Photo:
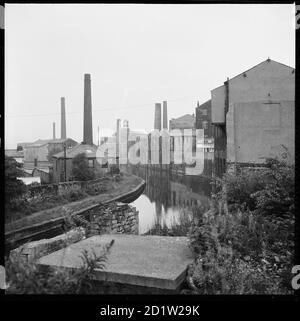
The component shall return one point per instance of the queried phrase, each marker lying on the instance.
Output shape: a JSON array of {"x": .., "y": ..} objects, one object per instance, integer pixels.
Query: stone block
[
  {"x": 149, "y": 261},
  {"x": 36, "y": 249}
]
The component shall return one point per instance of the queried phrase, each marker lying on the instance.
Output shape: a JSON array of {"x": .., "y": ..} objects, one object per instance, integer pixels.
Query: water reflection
[{"x": 167, "y": 195}]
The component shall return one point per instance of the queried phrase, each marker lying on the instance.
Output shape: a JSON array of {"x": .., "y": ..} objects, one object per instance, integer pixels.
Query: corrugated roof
[{"x": 89, "y": 150}]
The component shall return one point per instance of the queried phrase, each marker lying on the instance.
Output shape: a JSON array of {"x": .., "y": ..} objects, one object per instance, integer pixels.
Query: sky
[{"x": 137, "y": 55}]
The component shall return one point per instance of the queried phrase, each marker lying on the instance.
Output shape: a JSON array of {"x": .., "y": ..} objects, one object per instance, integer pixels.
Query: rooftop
[
  {"x": 259, "y": 64},
  {"x": 14, "y": 153},
  {"x": 41, "y": 142},
  {"x": 184, "y": 117},
  {"x": 89, "y": 150},
  {"x": 205, "y": 105}
]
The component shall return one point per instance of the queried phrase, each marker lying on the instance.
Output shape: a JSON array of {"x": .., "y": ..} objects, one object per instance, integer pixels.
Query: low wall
[
  {"x": 108, "y": 218},
  {"x": 103, "y": 218},
  {"x": 113, "y": 218},
  {"x": 46, "y": 191}
]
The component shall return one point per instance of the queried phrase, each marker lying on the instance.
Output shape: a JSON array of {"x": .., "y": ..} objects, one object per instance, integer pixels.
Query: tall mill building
[{"x": 253, "y": 115}]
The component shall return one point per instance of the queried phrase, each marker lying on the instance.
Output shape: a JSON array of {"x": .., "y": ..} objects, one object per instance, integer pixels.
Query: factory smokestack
[
  {"x": 54, "y": 131},
  {"x": 165, "y": 115},
  {"x": 87, "y": 117},
  {"x": 63, "y": 119},
  {"x": 157, "y": 117}
]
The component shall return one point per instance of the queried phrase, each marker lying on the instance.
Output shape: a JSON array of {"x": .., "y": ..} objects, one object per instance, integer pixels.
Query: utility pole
[
  {"x": 118, "y": 143},
  {"x": 65, "y": 165},
  {"x": 98, "y": 137}
]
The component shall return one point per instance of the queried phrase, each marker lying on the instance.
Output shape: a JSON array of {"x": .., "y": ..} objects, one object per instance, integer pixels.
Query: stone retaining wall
[
  {"x": 108, "y": 218},
  {"x": 114, "y": 218}
]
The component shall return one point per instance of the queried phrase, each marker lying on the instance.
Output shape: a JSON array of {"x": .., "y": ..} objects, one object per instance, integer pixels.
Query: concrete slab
[{"x": 148, "y": 261}]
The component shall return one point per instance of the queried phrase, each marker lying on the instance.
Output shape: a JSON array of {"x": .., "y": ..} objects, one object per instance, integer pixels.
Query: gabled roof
[
  {"x": 205, "y": 105},
  {"x": 184, "y": 117},
  {"x": 261, "y": 63},
  {"x": 41, "y": 142},
  {"x": 89, "y": 150}
]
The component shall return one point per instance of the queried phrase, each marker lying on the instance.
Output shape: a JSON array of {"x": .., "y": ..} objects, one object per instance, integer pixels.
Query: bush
[
  {"x": 73, "y": 194},
  {"x": 222, "y": 273},
  {"x": 241, "y": 253},
  {"x": 80, "y": 168},
  {"x": 245, "y": 242},
  {"x": 278, "y": 196},
  {"x": 269, "y": 191},
  {"x": 238, "y": 189}
]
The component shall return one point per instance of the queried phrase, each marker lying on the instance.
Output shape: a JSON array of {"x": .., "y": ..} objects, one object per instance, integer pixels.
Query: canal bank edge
[{"x": 50, "y": 228}]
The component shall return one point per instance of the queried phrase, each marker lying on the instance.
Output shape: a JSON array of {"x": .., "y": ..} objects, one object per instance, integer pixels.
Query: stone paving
[{"x": 147, "y": 261}]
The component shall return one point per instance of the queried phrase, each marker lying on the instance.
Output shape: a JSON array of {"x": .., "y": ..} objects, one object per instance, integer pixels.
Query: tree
[
  {"x": 80, "y": 168},
  {"x": 19, "y": 148},
  {"x": 13, "y": 186}
]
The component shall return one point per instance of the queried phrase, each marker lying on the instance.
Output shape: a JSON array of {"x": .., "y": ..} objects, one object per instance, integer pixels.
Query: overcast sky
[{"x": 137, "y": 55}]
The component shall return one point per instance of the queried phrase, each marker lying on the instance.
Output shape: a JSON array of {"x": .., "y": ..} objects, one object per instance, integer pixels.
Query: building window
[
  {"x": 204, "y": 124},
  {"x": 204, "y": 112},
  {"x": 91, "y": 163}
]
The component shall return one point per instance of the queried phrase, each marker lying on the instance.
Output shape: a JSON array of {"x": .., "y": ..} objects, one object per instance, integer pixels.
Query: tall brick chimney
[
  {"x": 87, "y": 117},
  {"x": 63, "y": 131},
  {"x": 165, "y": 115},
  {"x": 157, "y": 117},
  {"x": 54, "y": 131}
]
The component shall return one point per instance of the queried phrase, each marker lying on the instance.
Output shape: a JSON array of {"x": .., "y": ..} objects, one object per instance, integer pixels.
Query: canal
[{"x": 168, "y": 195}]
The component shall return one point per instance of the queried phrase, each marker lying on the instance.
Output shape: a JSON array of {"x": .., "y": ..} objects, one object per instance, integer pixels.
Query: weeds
[
  {"x": 244, "y": 244},
  {"x": 27, "y": 277}
]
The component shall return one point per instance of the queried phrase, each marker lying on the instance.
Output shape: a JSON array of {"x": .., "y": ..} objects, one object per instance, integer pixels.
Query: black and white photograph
[{"x": 149, "y": 149}]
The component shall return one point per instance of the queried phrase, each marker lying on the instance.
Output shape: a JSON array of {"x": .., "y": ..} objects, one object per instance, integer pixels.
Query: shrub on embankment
[{"x": 244, "y": 244}]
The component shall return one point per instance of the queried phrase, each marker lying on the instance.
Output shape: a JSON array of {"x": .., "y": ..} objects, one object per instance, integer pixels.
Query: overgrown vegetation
[
  {"x": 244, "y": 244},
  {"x": 22, "y": 206},
  {"x": 80, "y": 168},
  {"x": 25, "y": 276}
]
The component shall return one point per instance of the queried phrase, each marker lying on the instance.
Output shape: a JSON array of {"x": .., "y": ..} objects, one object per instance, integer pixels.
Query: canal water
[{"x": 168, "y": 195}]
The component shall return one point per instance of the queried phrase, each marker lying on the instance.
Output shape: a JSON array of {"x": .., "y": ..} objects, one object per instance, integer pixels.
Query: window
[
  {"x": 204, "y": 112},
  {"x": 205, "y": 124},
  {"x": 91, "y": 163}
]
